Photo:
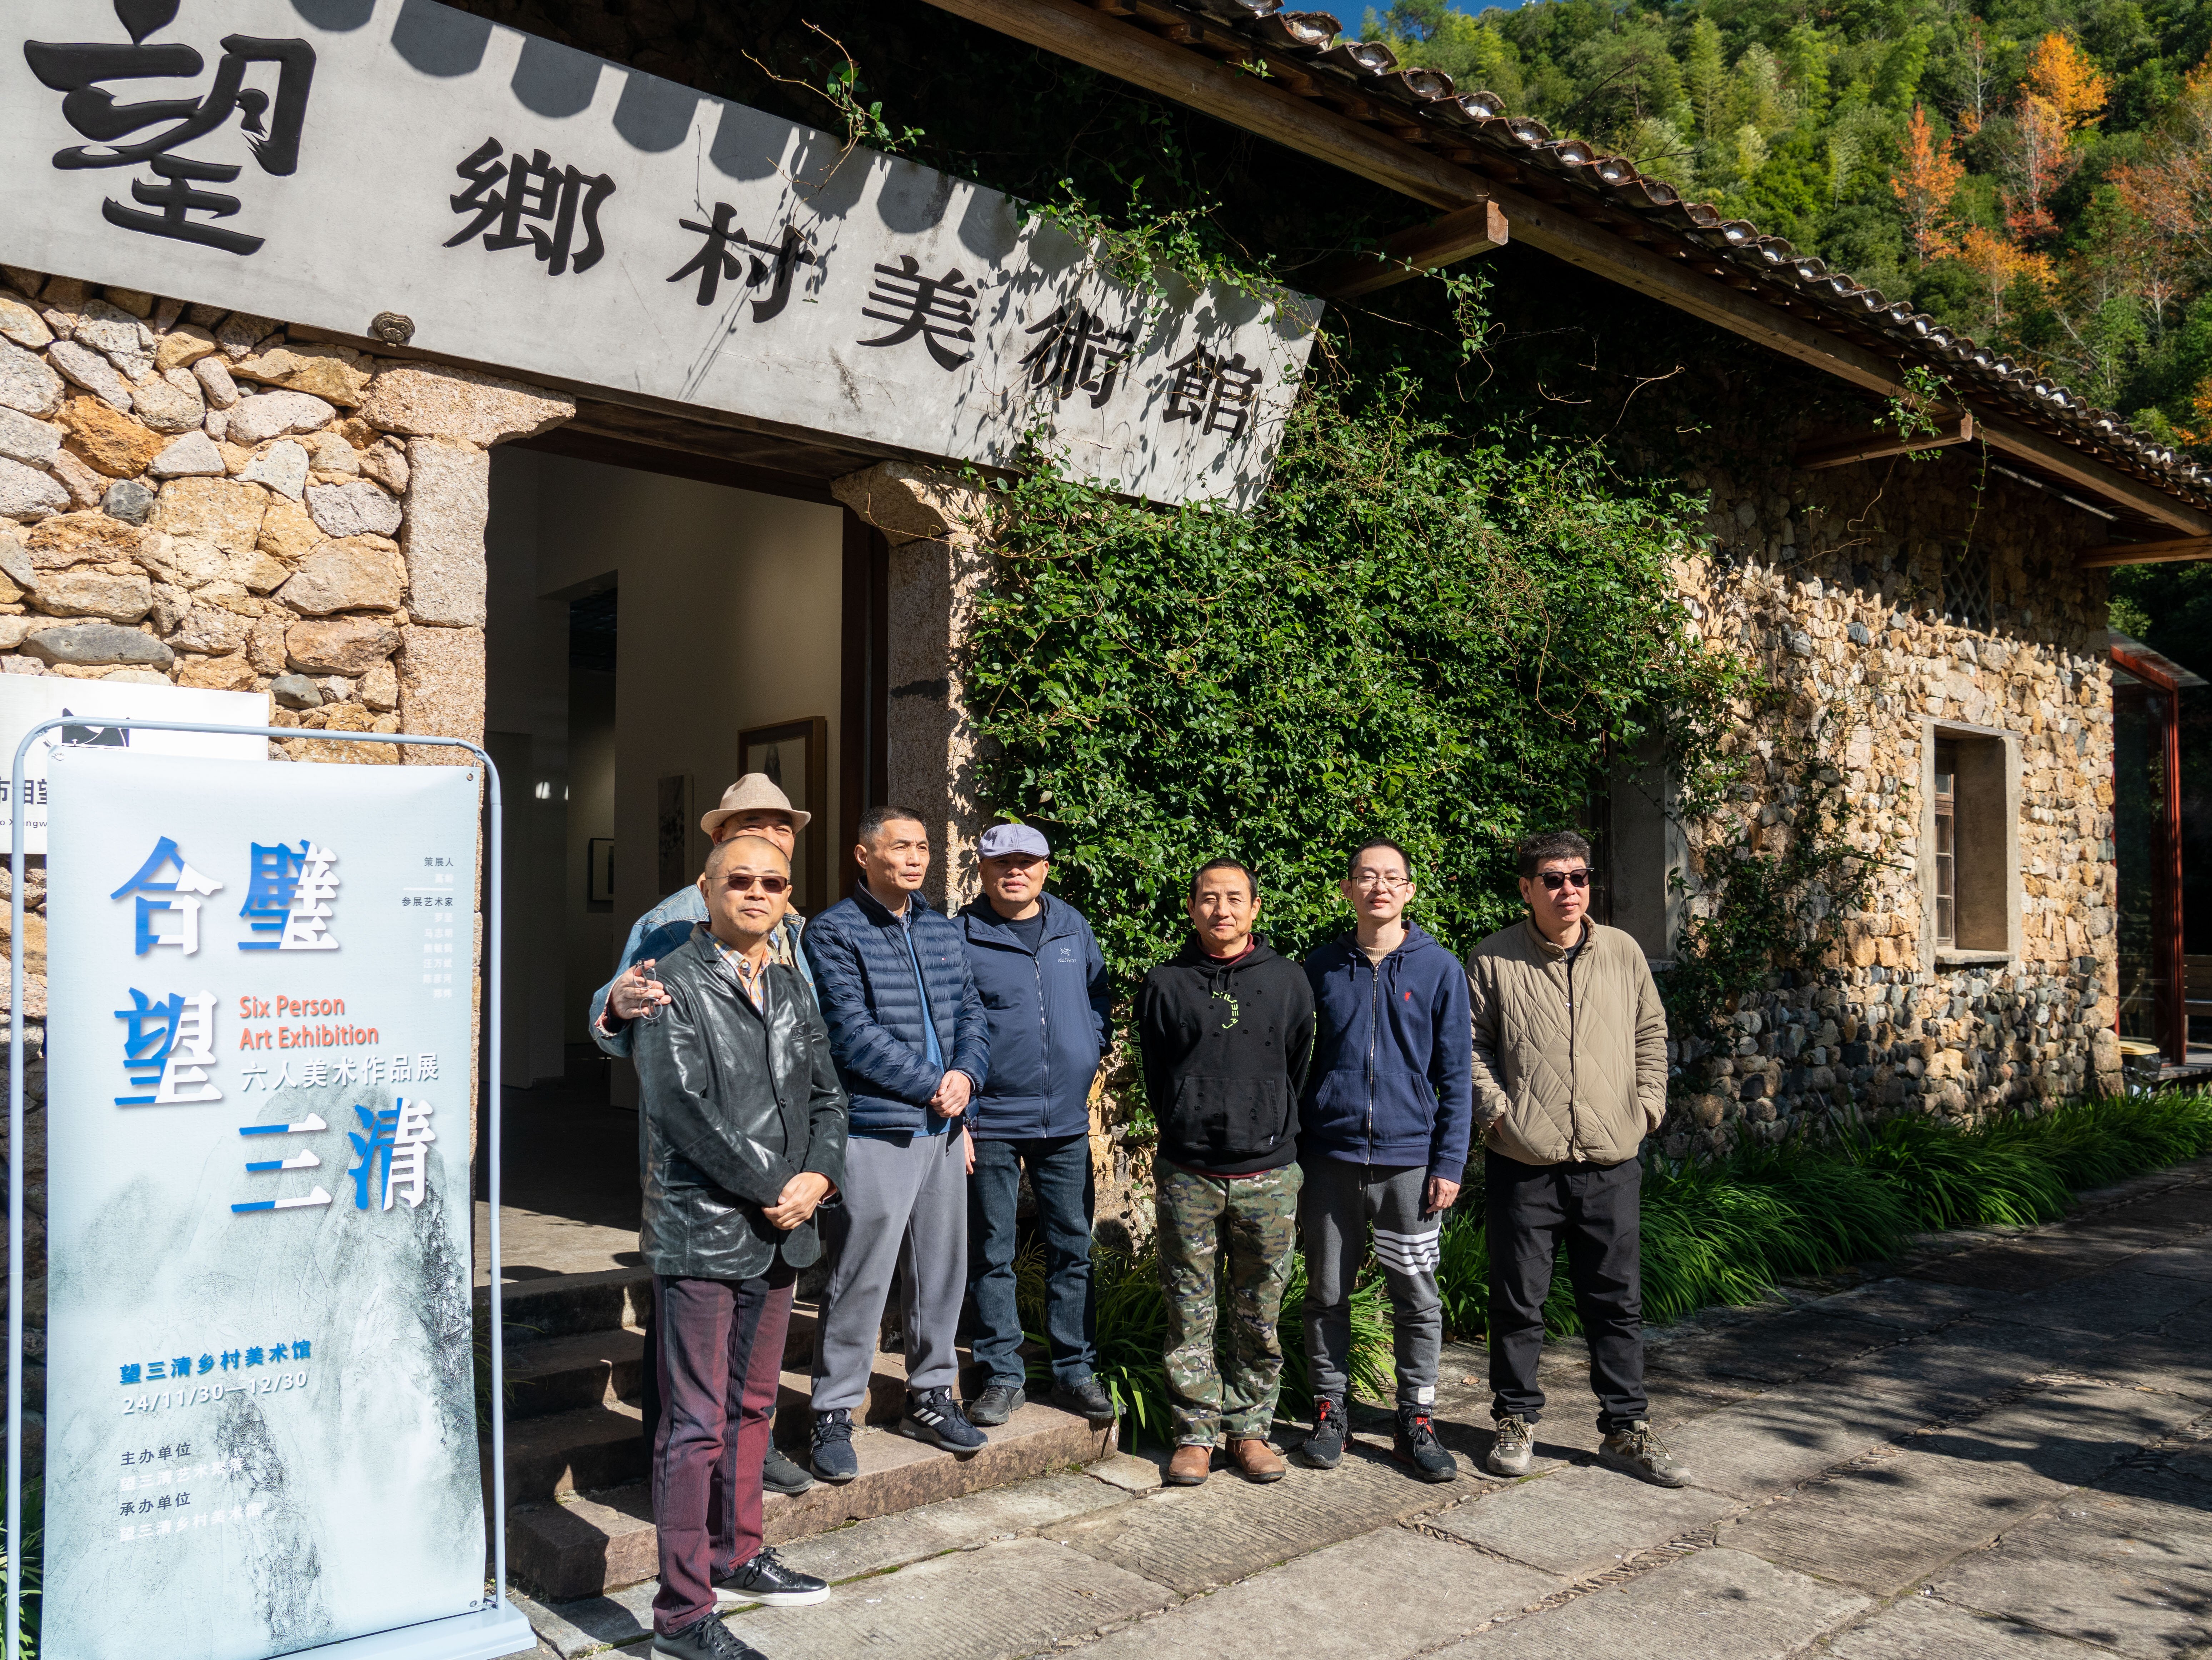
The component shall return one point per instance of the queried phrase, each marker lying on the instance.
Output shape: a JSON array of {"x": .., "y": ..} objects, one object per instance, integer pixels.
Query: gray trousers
[
  {"x": 905, "y": 1212},
  {"x": 1339, "y": 1203}
]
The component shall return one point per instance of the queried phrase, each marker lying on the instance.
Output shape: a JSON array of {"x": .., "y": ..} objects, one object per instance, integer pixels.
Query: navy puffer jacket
[
  {"x": 864, "y": 980},
  {"x": 1050, "y": 1013},
  {"x": 1393, "y": 1077}
]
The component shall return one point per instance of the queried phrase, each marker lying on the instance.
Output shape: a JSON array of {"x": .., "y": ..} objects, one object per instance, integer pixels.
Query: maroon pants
[{"x": 719, "y": 1353}]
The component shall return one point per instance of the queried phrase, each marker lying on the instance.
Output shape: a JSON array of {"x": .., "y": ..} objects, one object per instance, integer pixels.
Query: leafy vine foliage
[{"x": 1422, "y": 632}]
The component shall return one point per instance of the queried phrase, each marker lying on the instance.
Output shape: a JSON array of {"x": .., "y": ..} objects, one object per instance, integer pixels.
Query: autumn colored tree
[
  {"x": 1925, "y": 186},
  {"x": 2063, "y": 93},
  {"x": 2064, "y": 77},
  {"x": 2000, "y": 262},
  {"x": 2170, "y": 190}
]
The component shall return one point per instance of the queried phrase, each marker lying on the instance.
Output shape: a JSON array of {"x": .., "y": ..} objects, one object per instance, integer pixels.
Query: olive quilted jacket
[{"x": 1570, "y": 1057}]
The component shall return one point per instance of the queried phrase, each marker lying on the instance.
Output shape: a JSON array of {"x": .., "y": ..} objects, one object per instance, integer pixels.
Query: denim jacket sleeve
[
  {"x": 618, "y": 1042},
  {"x": 865, "y": 1052}
]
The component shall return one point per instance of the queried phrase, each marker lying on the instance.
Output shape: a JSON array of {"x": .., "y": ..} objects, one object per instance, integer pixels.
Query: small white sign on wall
[{"x": 27, "y": 699}]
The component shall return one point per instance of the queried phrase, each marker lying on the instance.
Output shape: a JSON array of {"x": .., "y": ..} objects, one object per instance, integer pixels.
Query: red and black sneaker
[
  {"x": 1417, "y": 1445},
  {"x": 1325, "y": 1447}
]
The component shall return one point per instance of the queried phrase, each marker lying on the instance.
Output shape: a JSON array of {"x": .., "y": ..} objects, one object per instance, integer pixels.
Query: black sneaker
[
  {"x": 932, "y": 1415},
  {"x": 1417, "y": 1445},
  {"x": 1088, "y": 1399},
  {"x": 833, "y": 1457},
  {"x": 1324, "y": 1448},
  {"x": 780, "y": 1474},
  {"x": 705, "y": 1638},
  {"x": 997, "y": 1403},
  {"x": 764, "y": 1579}
]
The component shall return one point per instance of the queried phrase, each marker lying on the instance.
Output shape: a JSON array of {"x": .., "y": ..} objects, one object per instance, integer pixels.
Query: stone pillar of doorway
[{"x": 940, "y": 531}]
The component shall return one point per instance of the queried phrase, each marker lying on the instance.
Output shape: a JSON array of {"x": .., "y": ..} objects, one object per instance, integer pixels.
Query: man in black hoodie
[{"x": 1226, "y": 1030}]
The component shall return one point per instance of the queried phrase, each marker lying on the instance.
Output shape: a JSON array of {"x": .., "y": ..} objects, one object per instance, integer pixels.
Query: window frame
[{"x": 1985, "y": 870}]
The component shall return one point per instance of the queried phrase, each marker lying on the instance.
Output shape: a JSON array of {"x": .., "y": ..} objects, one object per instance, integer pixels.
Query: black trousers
[{"x": 1594, "y": 1208}]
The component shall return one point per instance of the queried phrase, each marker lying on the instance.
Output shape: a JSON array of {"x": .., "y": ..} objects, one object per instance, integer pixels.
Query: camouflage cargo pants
[{"x": 1253, "y": 1221}]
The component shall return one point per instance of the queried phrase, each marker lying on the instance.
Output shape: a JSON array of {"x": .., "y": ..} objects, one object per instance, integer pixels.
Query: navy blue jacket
[
  {"x": 864, "y": 980},
  {"x": 1393, "y": 1077},
  {"x": 1050, "y": 1015}
]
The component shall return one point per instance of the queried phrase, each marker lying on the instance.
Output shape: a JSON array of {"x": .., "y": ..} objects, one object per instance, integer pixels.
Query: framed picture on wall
[
  {"x": 599, "y": 871},
  {"x": 673, "y": 865},
  {"x": 795, "y": 756}
]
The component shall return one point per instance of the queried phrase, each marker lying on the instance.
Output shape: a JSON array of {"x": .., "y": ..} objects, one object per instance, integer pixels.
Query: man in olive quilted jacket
[{"x": 1570, "y": 1076}]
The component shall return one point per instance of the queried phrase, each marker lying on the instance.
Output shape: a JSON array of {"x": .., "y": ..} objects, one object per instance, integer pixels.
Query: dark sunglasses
[
  {"x": 771, "y": 885},
  {"x": 1555, "y": 879}
]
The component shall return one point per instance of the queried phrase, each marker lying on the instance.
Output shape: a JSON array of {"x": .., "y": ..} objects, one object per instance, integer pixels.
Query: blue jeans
[{"x": 1060, "y": 1176}]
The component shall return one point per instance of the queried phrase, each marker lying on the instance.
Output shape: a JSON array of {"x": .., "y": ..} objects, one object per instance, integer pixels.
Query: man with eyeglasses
[
  {"x": 1570, "y": 1077},
  {"x": 742, "y": 1130},
  {"x": 1382, "y": 1138}
]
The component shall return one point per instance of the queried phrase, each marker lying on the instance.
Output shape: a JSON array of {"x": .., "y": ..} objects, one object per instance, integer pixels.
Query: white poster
[
  {"x": 496, "y": 197},
  {"x": 261, "y": 1429},
  {"x": 27, "y": 699}
]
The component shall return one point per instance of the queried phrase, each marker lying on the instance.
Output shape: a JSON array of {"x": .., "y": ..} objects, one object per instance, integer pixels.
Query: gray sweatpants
[
  {"x": 905, "y": 1212},
  {"x": 1339, "y": 1201}
]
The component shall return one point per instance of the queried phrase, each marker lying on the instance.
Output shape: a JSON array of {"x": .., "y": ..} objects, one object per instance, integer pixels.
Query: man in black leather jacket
[{"x": 742, "y": 1130}]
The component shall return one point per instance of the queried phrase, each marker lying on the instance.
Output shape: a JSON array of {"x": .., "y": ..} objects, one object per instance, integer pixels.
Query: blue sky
[{"x": 1351, "y": 15}]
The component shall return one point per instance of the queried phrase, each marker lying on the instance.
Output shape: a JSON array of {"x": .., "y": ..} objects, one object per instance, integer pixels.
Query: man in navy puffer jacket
[
  {"x": 1384, "y": 1125},
  {"x": 908, "y": 1032},
  {"x": 1046, "y": 993}
]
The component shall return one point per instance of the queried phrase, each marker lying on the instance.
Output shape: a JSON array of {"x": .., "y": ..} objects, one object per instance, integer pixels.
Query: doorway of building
[{"x": 649, "y": 637}]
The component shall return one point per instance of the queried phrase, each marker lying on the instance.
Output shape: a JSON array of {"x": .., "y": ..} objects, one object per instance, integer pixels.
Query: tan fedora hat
[{"x": 753, "y": 793}]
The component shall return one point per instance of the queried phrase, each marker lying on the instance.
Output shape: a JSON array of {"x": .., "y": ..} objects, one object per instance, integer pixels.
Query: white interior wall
[{"x": 730, "y": 613}]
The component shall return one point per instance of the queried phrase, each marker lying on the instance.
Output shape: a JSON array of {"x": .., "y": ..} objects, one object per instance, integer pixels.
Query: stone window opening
[
  {"x": 1971, "y": 871},
  {"x": 1966, "y": 597}
]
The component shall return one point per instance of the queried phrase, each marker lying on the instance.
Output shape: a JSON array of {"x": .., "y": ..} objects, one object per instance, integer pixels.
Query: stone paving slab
[
  {"x": 623, "y": 1616},
  {"x": 993, "y": 1603},
  {"x": 1781, "y": 1350},
  {"x": 1712, "y": 1604},
  {"x": 2107, "y": 1305},
  {"x": 1956, "y": 1370},
  {"x": 2068, "y": 1433},
  {"x": 2128, "y": 1574},
  {"x": 2022, "y": 1265},
  {"x": 1388, "y": 1593},
  {"x": 1583, "y": 1522},
  {"x": 1922, "y": 1629},
  {"x": 2190, "y": 1259},
  {"x": 2176, "y": 1359},
  {"x": 1888, "y": 1525},
  {"x": 1787, "y": 1435},
  {"x": 1195, "y": 1538},
  {"x": 1915, "y": 1304}
]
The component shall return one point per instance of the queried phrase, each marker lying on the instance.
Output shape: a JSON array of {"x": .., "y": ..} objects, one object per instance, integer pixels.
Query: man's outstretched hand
[{"x": 635, "y": 995}]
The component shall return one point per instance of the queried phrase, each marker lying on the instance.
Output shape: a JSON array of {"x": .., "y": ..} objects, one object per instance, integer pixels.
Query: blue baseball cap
[{"x": 1003, "y": 838}]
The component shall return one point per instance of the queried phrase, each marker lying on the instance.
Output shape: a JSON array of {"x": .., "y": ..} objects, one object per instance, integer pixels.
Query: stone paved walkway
[{"x": 2001, "y": 1452}]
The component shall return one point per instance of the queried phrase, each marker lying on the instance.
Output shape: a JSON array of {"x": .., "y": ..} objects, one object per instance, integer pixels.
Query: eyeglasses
[
  {"x": 1555, "y": 879},
  {"x": 773, "y": 887},
  {"x": 1377, "y": 879}
]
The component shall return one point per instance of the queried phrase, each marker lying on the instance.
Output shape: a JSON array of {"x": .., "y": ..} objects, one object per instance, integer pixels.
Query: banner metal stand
[{"x": 495, "y": 1630}]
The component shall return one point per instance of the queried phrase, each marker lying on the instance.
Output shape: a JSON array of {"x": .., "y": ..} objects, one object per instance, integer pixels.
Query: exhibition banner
[{"x": 261, "y": 1431}]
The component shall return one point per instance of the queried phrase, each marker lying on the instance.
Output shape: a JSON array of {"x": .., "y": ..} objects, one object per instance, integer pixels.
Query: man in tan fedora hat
[{"x": 752, "y": 807}]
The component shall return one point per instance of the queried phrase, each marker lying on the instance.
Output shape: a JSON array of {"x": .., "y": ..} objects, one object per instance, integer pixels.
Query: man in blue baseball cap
[{"x": 1044, "y": 989}]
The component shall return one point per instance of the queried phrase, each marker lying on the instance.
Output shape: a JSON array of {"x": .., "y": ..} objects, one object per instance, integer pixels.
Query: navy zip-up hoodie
[
  {"x": 1393, "y": 1080},
  {"x": 864, "y": 981},
  {"x": 1050, "y": 1015}
]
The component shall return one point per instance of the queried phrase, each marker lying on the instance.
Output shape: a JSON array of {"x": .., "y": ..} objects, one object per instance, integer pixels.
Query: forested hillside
[{"x": 2038, "y": 174}]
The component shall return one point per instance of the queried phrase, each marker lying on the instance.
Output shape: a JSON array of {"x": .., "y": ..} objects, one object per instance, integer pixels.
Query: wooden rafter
[
  {"x": 2145, "y": 553},
  {"x": 1446, "y": 241},
  {"x": 1958, "y": 428}
]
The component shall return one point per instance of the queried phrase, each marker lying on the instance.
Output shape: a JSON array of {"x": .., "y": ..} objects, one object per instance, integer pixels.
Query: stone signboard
[{"x": 400, "y": 170}]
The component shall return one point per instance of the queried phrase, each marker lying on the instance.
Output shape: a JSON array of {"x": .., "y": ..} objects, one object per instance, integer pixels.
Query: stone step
[
  {"x": 565, "y": 1304},
  {"x": 585, "y": 1545},
  {"x": 583, "y": 1450},
  {"x": 560, "y": 1374}
]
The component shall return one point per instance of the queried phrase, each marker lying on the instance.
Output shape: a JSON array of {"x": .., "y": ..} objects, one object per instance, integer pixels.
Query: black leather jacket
[{"x": 733, "y": 1106}]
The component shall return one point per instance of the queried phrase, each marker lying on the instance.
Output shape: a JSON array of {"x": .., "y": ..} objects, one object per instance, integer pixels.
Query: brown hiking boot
[
  {"x": 1190, "y": 1466},
  {"x": 1256, "y": 1461}
]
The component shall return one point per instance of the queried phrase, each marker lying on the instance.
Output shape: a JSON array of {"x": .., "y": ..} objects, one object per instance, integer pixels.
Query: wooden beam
[
  {"x": 1958, "y": 429},
  {"x": 2145, "y": 553},
  {"x": 1447, "y": 240},
  {"x": 1121, "y": 49}
]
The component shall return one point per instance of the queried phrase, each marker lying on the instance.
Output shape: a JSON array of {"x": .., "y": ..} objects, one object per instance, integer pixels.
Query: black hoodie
[{"x": 1225, "y": 1048}]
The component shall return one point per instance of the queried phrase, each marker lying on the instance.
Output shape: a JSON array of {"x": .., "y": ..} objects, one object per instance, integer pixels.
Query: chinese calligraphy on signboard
[{"x": 727, "y": 259}]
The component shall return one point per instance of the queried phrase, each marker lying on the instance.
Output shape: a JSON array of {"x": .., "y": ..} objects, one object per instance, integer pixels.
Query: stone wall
[
  {"x": 204, "y": 498},
  {"x": 1831, "y": 583}
]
